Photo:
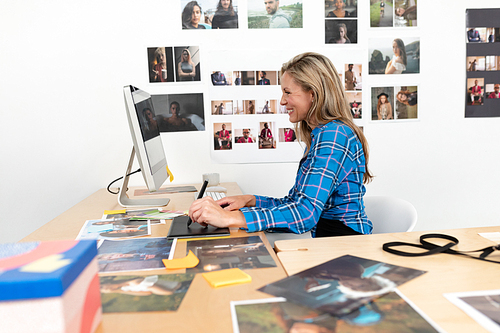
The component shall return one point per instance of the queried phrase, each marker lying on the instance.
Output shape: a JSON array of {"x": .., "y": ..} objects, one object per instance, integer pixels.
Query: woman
[
  {"x": 151, "y": 128},
  {"x": 398, "y": 62},
  {"x": 341, "y": 35},
  {"x": 186, "y": 67},
  {"x": 191, "y": 16},
  {"x": 327, "y": 197},
  {"x": 406, "y": 97},
  {"x": 384, "y": 108},
  {"x": 160, "y": 67},
  {"x": 340, "y": 11},
  {"x": 225, "y": 17}
]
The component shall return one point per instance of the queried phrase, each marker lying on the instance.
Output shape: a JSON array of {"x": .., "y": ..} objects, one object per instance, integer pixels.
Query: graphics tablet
[{"x": 179, "y": 229}]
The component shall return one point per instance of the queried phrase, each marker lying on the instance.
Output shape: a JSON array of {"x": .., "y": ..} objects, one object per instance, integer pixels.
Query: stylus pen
[{"x": 200, "y": 195}]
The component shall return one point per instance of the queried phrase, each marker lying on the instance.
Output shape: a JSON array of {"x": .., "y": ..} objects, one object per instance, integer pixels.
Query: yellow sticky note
[
  {"x": 188, "y": 261},
  {"x": 227, "y": 277},
  {"x": 111, "y": 212},
  {"x": 170, "y": 174}
]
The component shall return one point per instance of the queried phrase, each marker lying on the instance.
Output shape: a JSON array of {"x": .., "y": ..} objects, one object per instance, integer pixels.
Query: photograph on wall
[
  {"x": 179, "y": 112},
  {"x": 405, "y": 13},
  {"x": 352, "y": 74},
  {"x": 341, "y": 31},
  {"x": 245, "y": 135},
  {"x": 394, "y": 55},
  {"x": 274, "y": 14},
  {"x": 267, "y": 78},
  {"x": 237, "y": 78},
  {"x": 248, "y": 78},
  {"x": 266, "y": 136},
  {"x": 221, "y": 78},
  {"x": 187, "y": 62},
  {"x": 242, "y": 252},
  {"x": 249, "y": 106},
  {"x": 406, "y": 102},
  {"x": 136, "y": 293},
  {"x": 266, "y": 106},
  {"x": 287, "y": 135},
  {"x": 341, "y": 8},
  {"x": 382, "y": 103},
  {"x": 355, "y": 103},
  {"x": 222, "y": 136},
  {"x": 482, "y": 306},
  {"x": 161, "y": 64},
  {"x": 341, "y": 285},
  {"x": 209, "y": 14},
  {"x": 482, "y": 35},
  {"x": 238, "y": 107},
  {"x": 134, "y": 254},
  {"x": 222, "y": 107},
  {"x": 390, "y": 313},
  {"x": 381, "y": 13}
]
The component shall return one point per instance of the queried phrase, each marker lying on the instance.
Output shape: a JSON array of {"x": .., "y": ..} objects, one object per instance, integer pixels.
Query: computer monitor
[{"x": 147, "y": 147}]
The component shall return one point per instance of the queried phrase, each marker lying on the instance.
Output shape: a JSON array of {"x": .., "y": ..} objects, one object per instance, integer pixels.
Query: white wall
[{"x": 63, "y": 131}]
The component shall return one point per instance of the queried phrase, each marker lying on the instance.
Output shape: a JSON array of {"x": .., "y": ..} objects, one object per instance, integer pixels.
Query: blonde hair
[{"x": 315, "y": 73}]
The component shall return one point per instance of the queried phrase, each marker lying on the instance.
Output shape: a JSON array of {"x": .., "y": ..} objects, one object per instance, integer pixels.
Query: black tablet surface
[{"x": 179, "y": 229}]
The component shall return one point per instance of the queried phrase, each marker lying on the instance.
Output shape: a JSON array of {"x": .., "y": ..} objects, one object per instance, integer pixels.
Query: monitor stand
[{"x": 125, "y": 201}]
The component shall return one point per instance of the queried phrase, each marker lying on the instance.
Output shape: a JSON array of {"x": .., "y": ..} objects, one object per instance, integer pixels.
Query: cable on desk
[{"x": 117, "y": 179}]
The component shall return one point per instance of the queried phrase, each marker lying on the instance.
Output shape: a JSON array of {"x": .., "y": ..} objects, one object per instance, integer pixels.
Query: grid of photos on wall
[
  {"x": 341, "y": 21},
  {"x": 483, "y": 63},
  {"x": 392, "y": 52}
]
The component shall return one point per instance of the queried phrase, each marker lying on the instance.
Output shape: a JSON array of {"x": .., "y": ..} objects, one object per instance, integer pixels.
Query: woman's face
[
  {"x": 149, "y": 115},
  {"x": 161, "y": 58},
  {"x": 297, "y": 101},
  {"x": 395, "y": 49},
  {"x": 195, "y": 16},
  {"x": 402, "y": 97},
  {"x": 383, "y": 99},
  {"x": 342, "y": 32},
  {"x": 225, "y": 4},
  {"x": 185, "y": 56},
  {"x": 339, "y": 4}
]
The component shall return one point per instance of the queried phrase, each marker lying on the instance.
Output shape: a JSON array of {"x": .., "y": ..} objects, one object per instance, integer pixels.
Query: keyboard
[{"x": 213, "y": 195}]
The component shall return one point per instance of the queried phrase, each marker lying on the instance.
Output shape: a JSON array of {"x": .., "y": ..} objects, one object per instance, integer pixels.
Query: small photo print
[
  {"x": 248, "y": 78},
  {"x": 355, "y": 103},
  {"x": 237, "y": 78},
  {"x": 341, "y": 8},
  {"x": 381, "y": 13},
  {"x": 406, "y": 102},
  {"x": 221, "y": 78},
  {"x": 161, "y": 64},
  {"x": 405, "y": 13},
  {"x": 249, "y": 106},
  {"x": 267, "y": 78},
  {"x": 287, "y": 135},
  {"x": 266, "y": 136},
  {"x": 477, "y": 35},
  {"x": 238, "y": 107},
  {"x": 475, "y": 89},
  {"x": 394, "y": 55},
  {"x": 267, "y": 106},
  {"x": 135, "y": 293},
  {"x": 274, "y": 14},
  {"x": 493, "y": 90},
  {"x": 491, "y": 63},
  {"x": 209, "y": 14},
  {"x": 341, "y": 31},
  {"x": 114, "y": 229},
  {"x": 178, "y": 112},
  {"x": 382, "y": 103},
  {"x": 222, "y": 107},
  {"x": 352, "y": 73},
  {"x": 245, "y": 135},
  {"x": 187, "y": 62},
  {"x": 222, "y": 136},
  {"x": 476, "y": 63}
]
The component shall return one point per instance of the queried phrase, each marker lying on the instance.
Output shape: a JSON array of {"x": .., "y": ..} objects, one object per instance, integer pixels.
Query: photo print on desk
[
  {"x": 390, "y": 313},
  {"x": 209, "y": 14},
  {"x": 482, "y": 63},
  {"x": 242, "y": 252},
  {"x": 394, "y": 55},
  {"x": 161, "y": 64},
  {"x": 137, "y": 293},
  {"x": 134, "y": 254},
  {"x": 179, "y": 112},
  {"x": 274, "y": 14},
  {"x": 341, "y": 285},
  {"x": 114, "y": 229}
]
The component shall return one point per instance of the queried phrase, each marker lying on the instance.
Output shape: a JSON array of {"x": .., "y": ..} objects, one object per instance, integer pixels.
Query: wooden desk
[
  {"x": 203, "y": 309},
  {"x": 445, "y": 273}
]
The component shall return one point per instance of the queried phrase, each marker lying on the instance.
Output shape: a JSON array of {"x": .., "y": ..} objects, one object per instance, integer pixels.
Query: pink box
[{"x": 49, "y": 287}]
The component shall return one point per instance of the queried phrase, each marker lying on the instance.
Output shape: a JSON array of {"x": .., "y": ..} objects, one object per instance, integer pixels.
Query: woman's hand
[{"x": 206, "y": 211}]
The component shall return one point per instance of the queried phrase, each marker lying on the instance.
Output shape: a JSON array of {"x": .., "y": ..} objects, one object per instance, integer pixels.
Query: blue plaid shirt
[{"x": 329, "y": 184}]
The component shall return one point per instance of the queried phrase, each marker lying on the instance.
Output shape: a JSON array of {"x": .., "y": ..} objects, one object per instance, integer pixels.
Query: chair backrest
[{"x": 390, "y": 214}]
